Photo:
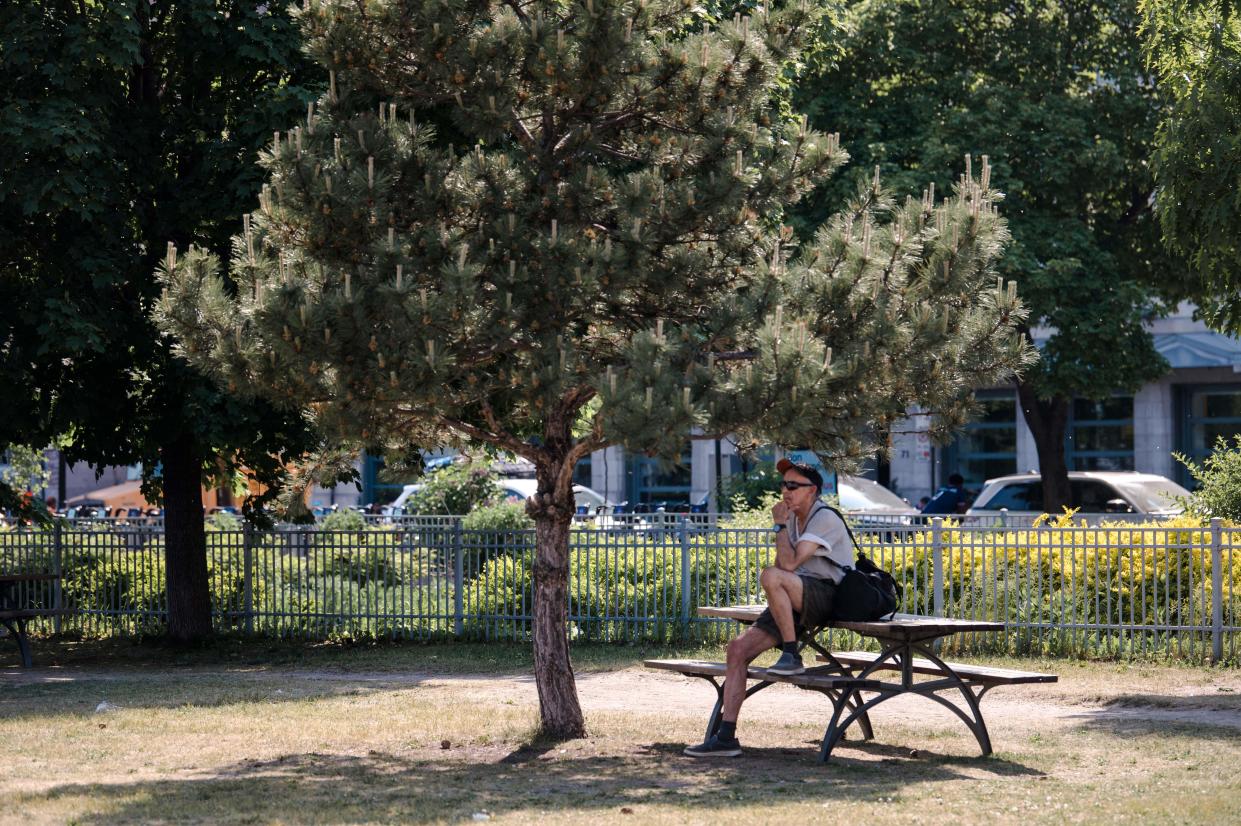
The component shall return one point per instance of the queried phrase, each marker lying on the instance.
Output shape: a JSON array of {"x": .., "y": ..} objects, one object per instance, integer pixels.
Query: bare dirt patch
[{"x": 1204, "y": 696}]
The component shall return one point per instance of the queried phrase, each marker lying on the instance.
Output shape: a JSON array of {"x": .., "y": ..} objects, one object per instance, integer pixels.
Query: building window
[
  {"x": 988, "y": 446},
  {"x": 660, "y": 483},
  {"x": 375, "y": 487},
  {"x": 582, "y": 472},
  {"x": 1099, "y": 434},
  {"x": 1208, "y": 413}
]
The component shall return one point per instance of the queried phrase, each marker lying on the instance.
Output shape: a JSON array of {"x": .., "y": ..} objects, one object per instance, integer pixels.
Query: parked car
[
  {"x": 1091, "y": 492},
  {"x": 90, "y": 510},
  {"x": 860, "y": 494},
  {"x": 870, "y": 506}
]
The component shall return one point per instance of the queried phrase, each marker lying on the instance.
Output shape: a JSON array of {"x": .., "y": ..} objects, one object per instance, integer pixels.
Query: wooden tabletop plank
[{"x": 902, "y": 624}]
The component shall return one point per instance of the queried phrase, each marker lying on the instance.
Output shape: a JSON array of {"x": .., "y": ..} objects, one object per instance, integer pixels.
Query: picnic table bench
[
  {"x": 16, "y": 612},
  {"x": 906, "y": 643}
]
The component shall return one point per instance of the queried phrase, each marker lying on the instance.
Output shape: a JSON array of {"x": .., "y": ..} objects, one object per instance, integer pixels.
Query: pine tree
[{"x": 507, "y": 223}]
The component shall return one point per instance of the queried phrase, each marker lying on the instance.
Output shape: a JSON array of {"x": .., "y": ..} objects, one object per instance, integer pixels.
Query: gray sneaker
[
  {"x": 787, "y": 665},
  {"x": 715, "y": 747}
]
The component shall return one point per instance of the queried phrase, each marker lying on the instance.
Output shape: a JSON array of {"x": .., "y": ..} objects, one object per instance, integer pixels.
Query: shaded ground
[{"x": 385, "y": 736}]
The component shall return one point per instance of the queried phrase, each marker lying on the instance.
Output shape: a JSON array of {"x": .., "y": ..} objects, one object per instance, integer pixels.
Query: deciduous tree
[
  {"x": 1194, "y": 46},
  {"x": 122, "y": 125},
  {"x": 1057, "y": 95}
]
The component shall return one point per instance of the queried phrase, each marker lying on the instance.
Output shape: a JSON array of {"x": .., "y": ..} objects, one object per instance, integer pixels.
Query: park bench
[
  {"x": 984, "y": 676},
  {"x": 907, "y": 645},
  {"x": 840, "y": 689},
  {"x": 16, "y": 609}
]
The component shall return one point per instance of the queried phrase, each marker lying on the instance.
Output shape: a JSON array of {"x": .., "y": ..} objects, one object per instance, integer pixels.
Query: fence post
[
  {"x": 58, "y": 572},
  {"x": 458, "y": 580},
  {"x": 685, "y": 606},
  {"x": 1217, "y": 590},
  {"x": 247, "y": 575},
  {"x": 937, "y": 566}
]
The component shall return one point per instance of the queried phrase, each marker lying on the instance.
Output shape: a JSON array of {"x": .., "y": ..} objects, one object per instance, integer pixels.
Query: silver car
[{"x": 1109, "y": 492}]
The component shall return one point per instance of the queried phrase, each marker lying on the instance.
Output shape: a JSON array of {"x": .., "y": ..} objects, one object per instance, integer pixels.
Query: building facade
[{"x": 1185, "y": 411}]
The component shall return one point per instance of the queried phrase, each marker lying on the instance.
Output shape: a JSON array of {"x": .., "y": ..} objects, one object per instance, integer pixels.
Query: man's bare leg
[
  {"x": 784, "y": 596},
  {"x": 743, "y": 649},
  {"x": 740, "y": 653}
]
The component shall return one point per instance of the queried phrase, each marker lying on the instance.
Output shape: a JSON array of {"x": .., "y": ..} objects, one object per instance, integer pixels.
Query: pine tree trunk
[
  {"x": 1047, "y": 419},
  {"x": 560, "y": 712},
  {"x": 185, "y": 543}
]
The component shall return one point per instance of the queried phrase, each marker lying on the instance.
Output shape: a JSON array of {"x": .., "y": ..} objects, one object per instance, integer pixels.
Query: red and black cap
[{"x": 810, "y": 472}]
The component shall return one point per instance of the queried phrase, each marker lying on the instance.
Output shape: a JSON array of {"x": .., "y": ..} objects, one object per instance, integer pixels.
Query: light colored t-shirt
[{"x": 827, "y": 530}]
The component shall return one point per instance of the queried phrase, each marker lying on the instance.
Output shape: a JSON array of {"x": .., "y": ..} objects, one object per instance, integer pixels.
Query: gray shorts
[{"x": 817, "y": 596}]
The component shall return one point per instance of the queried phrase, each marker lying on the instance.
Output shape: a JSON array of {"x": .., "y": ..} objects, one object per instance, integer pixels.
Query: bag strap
[
  {"x": 843, "y": 521},
  {"x": 856, "y": 550},
  {"x": 821, "y": 505}
]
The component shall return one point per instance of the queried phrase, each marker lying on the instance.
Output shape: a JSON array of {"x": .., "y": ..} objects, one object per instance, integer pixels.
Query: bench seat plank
[
  {"x": 970, "y": 673},
  {"x": 901, "y": 626},
  {"x": 703, "y": 668}
]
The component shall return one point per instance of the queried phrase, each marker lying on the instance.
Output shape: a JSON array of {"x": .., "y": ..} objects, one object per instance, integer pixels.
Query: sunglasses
[{"x": 787, "y": 485}]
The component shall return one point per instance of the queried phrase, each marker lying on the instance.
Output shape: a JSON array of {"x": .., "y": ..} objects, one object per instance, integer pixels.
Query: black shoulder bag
[{"x": 867, "y": 592}]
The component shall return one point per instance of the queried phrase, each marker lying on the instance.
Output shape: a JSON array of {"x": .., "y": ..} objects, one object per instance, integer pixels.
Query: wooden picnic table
[
  {"x": 906, "y": 646},
  {"x": 15, "y": 611}
]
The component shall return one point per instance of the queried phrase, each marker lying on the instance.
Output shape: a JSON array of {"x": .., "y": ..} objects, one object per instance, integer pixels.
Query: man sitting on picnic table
[{"x": 799, "y": 587}]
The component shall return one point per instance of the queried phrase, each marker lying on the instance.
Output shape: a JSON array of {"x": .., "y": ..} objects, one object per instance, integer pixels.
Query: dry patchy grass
[{"x": 357, "y": 737}]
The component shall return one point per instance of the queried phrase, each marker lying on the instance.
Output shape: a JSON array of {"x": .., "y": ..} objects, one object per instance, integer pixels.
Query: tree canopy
[
  {"x": 1057, "y": 95},
  {"x": 1194, "y": 46},
  {"x": 124, "y": 125},
  {"x": 552, "y": 227}
]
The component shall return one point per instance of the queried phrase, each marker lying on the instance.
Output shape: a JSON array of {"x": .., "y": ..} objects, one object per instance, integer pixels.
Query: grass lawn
[{"x": 255, "y": 732}]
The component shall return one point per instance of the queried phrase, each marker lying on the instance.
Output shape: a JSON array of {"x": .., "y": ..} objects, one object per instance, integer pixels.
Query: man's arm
[{"x": 789, "y": 558}]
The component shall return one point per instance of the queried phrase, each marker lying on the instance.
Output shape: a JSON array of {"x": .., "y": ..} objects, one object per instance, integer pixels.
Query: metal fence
[{"x": 1126, "y": 591}]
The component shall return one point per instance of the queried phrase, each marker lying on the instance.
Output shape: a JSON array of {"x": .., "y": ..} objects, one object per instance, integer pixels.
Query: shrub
[
  {"x": 495, "y": 530},
  {"x": 455, "y": 490},
  {"x": 346, "y": 520},
  {"x": 364, "y": 566},
  {"x": 751, "y": 490},
  {"x": 503, "y": 518},
  {"x": 753, "y": 514},
  {"x": 1219, "y": 482},
  {"x": 622, "y": 588},
  {"x": 222, "y": 522}
]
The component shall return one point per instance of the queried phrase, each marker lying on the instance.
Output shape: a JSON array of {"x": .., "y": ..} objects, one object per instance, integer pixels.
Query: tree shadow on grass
[
  {"x": 382, "y": 787},
  {"x": 1200, "y": 723},
  {"x": 1218, "y": 701},
  {"x": 167, "y": 691}
]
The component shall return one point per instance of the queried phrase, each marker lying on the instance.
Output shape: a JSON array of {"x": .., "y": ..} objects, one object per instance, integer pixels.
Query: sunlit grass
[{"x": 243, "y": 732}]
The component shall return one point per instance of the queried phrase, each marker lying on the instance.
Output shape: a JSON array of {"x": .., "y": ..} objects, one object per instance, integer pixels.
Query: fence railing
[{"x": 1130, "y": 590}]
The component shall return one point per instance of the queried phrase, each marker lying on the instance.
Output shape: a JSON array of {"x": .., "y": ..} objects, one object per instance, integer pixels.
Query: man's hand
[{"x": 780, "y": 513}]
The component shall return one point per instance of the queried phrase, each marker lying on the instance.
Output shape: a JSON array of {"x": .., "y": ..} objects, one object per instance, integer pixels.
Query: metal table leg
[{"x": 902, "y": 652}]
